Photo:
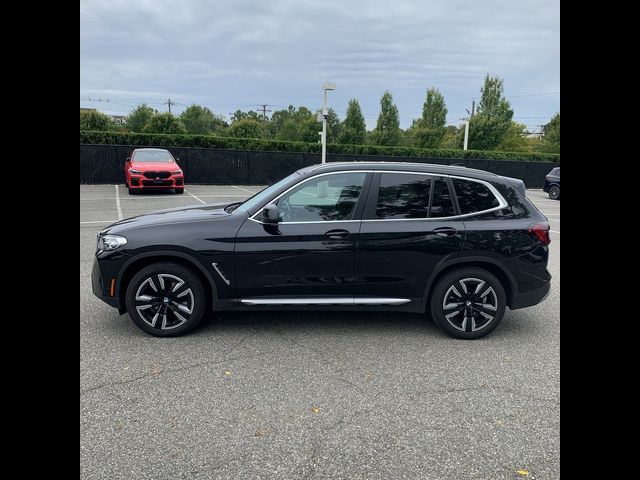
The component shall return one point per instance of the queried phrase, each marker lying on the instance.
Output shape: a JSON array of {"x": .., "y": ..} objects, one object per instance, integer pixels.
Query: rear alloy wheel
[
  {"x": 554, "y": 192},
  {"x": 165, "y": 299},
  {"x": 468, "y": 303}
]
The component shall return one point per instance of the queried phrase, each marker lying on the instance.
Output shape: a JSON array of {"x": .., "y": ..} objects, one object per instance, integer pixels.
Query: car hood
[
  {"x": 189, "y": 213},
  {"x": 154, "y": 166}
]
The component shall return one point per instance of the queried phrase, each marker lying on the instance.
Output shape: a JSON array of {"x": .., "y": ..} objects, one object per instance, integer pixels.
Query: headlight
[
  {"x": 111, "y": 242},
  {"x": 177, "y": 172},
  {"x": 131, "y": 170}
]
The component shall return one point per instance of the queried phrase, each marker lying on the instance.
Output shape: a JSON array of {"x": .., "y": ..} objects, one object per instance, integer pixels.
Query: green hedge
[{"x": 212, "y": 141}]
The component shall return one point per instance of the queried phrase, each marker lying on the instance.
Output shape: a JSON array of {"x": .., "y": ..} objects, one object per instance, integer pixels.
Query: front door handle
[
  {"x": 445, "y": 231},
  {"x": 337, "y": 234}
]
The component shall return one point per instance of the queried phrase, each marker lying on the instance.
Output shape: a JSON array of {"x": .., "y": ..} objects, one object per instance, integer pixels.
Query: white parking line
[
  {"x": 244, "y": 189},
  {"x": 553, "y": 231},
  {"x": 201, "y": 201},
  {"x": 118, "y": 203}
]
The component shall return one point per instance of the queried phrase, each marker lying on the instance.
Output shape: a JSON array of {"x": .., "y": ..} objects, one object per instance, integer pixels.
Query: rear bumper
[
  {"x": 101, "y": 285},
  {"x": 531, "y": 297}
]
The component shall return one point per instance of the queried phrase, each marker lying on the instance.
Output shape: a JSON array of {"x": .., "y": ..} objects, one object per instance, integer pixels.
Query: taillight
[
  {"x": 541, "y": 231},
  {"x": 546, "y": 177}
]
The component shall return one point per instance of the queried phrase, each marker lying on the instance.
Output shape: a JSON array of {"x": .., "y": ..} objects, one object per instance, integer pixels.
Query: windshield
[
  {"x": 259, "y": 198},
  {"x": 152, "y": 156}
]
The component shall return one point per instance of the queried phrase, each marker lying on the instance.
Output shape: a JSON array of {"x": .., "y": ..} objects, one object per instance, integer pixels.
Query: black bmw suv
[{"x": 458, "y": 243}]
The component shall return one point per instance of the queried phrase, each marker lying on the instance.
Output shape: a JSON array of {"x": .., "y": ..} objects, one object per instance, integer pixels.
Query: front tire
[
  {"x": 179, "y": 190},
  {"x": 468, "y": 303},
  {"x": 554, "y": 192},
  {"x": 166, "y": 299}
]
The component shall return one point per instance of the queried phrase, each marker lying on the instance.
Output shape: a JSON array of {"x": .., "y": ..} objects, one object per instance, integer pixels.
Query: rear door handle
[
  {"x": 337, "y": 234},
  {"x": 445, "y": 231}
]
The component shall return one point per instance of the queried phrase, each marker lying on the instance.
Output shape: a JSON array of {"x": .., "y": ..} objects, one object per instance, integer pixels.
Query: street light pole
[{"x": 325, "y": 86}]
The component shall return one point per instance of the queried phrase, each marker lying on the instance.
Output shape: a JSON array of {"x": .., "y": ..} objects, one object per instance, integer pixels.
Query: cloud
[{"x": 279, "y": 52}]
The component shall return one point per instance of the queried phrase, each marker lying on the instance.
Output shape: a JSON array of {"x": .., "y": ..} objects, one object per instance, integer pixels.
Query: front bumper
[
  {"x": 138, "y": 182},
  {"x": 101, "y": 286}
]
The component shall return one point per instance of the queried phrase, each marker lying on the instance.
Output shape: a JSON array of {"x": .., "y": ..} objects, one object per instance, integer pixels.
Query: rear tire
[
  {"x": 131, "y": 191},
  {"x": 166, "y": 299},
  {"x": 179, "y": 190},
  {"x": 468, "y": 303},
  {"x": 554, "y": 192}
]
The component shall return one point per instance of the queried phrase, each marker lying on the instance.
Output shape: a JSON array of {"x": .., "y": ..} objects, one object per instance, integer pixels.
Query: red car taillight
[{"x": 541, "y": 231}]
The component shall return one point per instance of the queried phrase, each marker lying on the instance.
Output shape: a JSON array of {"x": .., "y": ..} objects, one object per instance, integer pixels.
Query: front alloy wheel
[
  {"x": 165, "y": 299},
  {"x": 468, "y": 303},
  {"x": 554, "y": 192}
]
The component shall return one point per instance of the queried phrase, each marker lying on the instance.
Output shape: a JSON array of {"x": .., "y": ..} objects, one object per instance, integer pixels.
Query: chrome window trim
[{"x": 502, "y": 202}]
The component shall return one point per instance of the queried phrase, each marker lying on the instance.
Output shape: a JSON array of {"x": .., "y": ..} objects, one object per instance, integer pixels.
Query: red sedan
[{"x": 150, "y": 168}]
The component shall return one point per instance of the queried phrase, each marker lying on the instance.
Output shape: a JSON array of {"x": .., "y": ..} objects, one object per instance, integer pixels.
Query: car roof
[
  {"x": 156, "y": 149},
  {"x": 402, "y": 166}
]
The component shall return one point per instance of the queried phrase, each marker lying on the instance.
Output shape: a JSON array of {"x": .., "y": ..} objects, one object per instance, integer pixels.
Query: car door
[
  {"x": 410, "y": 226},
  {"x": 309, "y": 255}
]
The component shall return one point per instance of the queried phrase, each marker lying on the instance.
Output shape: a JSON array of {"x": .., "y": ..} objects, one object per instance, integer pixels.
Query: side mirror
[
  {"x": 270, "y": 214},
  {"x": 177, "y": 160},
  {"x": 128, "y": 159}
]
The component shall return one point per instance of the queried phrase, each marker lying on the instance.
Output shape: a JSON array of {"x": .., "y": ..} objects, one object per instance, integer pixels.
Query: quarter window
[
  {"x": 325, "y": 198},
  {"x": 474, "y": 196},
  {"x": 403, "y": 195}
]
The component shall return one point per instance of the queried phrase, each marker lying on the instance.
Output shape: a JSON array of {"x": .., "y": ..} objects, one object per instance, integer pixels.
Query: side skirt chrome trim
[
  {"x": 225, "y": 279},
  {"x": 324, "y": 301}
]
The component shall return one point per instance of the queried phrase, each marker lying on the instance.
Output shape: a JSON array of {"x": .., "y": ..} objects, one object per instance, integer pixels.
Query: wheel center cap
[
  {"x": 468, "y": 303},
  {"x": 165, "y": 300}
]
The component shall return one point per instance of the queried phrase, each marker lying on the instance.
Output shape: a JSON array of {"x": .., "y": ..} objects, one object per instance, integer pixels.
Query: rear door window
[
  {"x": 473, "y": 196},
  {"x": 403, "y": 195}
]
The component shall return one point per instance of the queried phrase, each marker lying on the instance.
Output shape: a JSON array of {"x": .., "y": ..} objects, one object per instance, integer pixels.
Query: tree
[
  {"x": 246, "y": 128},
  {"x": 428, "y": 131},
  {"x": 201, "y": 120},
  {"x": 164, "y": 123},
  {"x": 93, "y": 120},
  {"x": 551, "y": 140},
  {"x": 515, "y": 139},
  {"x": 139, "y": 117},
  {"x": 333, "y": 126},
  {"x": 387, "y": 131},
  {"x": 451, "y": 139},
  {"x": 489, "y": 126},
  {"x": 240, "y": 115},
  {"x": 353, "y": 129},
  {"x": 294, "y": 125}
]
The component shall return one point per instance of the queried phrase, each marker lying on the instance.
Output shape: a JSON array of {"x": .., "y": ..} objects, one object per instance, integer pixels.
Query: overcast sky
[{"x": 230, "y": 55}]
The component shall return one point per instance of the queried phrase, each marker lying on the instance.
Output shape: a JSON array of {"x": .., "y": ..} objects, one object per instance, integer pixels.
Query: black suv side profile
[
  {"x": 552, "y": 184},
  {"x": 460, "y": 244}
]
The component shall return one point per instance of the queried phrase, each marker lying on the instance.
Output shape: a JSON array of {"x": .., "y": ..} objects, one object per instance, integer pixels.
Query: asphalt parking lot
[{"x": 288, "y": 395}]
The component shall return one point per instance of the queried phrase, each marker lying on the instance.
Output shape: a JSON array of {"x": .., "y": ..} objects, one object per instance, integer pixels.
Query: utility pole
[
  {"x": 263, "y": 107},
  {"x": 466, "y": 134},
  {"x": 169, "y": 102},
  {"x": 466, "y": 123}
]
